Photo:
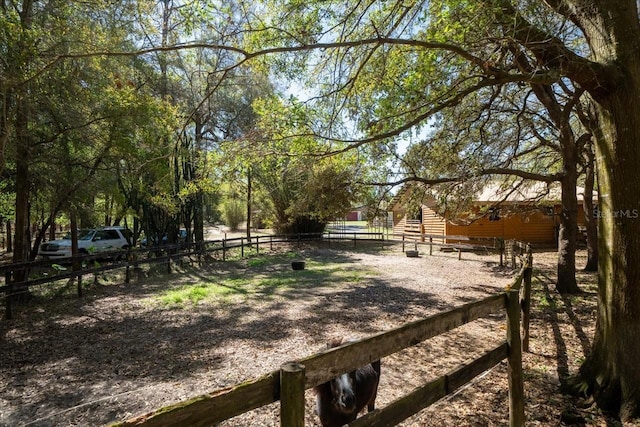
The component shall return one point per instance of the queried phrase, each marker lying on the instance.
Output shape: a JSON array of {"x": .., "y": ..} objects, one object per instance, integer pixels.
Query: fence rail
[
  {"x": 92, "y": 264},
  {"x": 507, "y": 249},
  {"x": 288, "y": 383},
  {"x": 125, "y": 259}
]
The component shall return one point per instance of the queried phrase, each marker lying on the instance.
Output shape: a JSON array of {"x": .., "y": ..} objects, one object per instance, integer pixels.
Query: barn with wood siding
[{"x": 522, "y": 214}]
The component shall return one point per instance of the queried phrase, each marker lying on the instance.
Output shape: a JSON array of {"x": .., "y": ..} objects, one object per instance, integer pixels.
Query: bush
[
  {"x": 234, "y": 214},
  {"x": 304, "y": 225}
]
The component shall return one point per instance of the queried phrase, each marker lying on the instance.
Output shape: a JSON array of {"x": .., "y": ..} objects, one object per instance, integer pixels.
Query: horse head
[
  {"x": 339, "y": 400},
  {"x": 343, "y": 393}
]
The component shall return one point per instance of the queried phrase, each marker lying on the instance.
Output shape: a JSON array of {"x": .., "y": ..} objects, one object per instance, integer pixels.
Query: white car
[{"x": 89, "y": 241}]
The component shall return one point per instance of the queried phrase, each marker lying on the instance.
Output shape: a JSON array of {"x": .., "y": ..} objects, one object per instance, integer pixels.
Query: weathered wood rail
[
  {"x": 507, "y": 249},
  {"x": 288, "y": 383},
  {"x": 522, "y": 283},
  {"x": 453, "y": 242}
]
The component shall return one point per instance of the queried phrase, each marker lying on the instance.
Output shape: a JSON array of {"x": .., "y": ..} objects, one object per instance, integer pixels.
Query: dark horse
[{"x": 340, "y": 400}]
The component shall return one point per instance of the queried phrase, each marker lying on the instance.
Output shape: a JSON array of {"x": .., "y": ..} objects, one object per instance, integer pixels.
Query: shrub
[{"x": 234, "y": 214}]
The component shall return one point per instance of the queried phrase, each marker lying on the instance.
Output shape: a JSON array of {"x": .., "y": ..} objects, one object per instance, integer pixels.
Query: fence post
[
  {"x": 403, "y": 243},
  {"x": 224, "y": 248},
  {"x": 501, "y": 249},
  {"x": 292, "y": 395},
  {"x": 514, "y": 360},
  {"x": 271, "y": 242},
  {"x": 257, "y": 245},
  {"x": 525, "y": 299},
  {"x": 430, "y": 245},
  {"x": 76, "y": 265},
  {"x": 241, "y": 247},
  {"x": 513, "y": 253}
]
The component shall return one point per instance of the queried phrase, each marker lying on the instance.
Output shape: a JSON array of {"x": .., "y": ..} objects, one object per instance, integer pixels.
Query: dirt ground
[{"x": 119, "y": 352}]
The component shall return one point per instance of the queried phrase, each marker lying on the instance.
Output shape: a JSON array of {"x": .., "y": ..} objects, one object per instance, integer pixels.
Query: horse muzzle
[{"x": 346, "y": 403}]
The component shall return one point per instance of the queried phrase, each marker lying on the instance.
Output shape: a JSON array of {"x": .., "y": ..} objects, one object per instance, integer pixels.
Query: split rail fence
[
  {"x": 507, "y": 249},
  {"x": 78, "y": 266},
  {"x": 289, "y": 383},
  {"x": 41, "y": 272}
]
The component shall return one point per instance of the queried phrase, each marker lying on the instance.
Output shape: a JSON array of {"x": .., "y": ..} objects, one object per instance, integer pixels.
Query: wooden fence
[
  {"x": 82, "y": 265},
  {"x": 455, "y": 243},
  {"x": 88, "y": 264},
  {"x": 288, "y": 384},
  {"x": 509, "y": 249}
]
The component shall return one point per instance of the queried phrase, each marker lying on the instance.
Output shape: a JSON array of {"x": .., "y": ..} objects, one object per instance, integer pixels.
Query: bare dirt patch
[{"x": 122, "y": 350}]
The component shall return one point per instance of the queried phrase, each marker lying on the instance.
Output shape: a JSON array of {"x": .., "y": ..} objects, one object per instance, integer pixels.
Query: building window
[{"x": 414, "y": 213}]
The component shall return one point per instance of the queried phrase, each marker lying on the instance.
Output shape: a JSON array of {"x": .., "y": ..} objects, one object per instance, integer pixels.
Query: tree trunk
[
  {"x": 52, "y": 229},
  {"x": 40, "y": 235},
  {"x": 9, "y": 246},
  {"x": 567, "y": 238},
  {"x": 249, "y": 203},
  {"x": 73, "y": 223},
  {"x": 611, "y": 371},
  {"x": 568, "y": 232},
  {"x": 22, "y": 243},
  {"x": 198, "y": 220},
  {"x": 589, "y": 213}
]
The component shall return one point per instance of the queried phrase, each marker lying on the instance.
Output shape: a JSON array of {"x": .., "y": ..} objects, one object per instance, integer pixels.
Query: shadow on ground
[{"x": 116, "y": 340}]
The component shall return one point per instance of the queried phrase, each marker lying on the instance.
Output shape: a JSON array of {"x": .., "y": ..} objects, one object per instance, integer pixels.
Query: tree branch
[
  {"x": 522, "y": 174},
  {"x": 596, "y": 78}
]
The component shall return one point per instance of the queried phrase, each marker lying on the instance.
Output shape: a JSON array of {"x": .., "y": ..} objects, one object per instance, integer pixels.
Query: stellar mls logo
[{"x": 620, "y": 213}]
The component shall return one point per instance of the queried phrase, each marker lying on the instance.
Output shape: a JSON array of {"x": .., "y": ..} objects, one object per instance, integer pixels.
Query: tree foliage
[
  {"x": 96, "y": 86},
  {"x": 306, "y": 190},
  {"x": 391, "y": 67}
]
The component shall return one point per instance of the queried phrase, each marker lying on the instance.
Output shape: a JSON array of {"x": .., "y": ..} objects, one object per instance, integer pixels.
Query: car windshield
[{"x": 86, "y": 234}]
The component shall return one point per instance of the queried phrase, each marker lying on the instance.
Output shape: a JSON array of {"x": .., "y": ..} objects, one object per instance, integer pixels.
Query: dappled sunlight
[{"x": 201, "y": 329}]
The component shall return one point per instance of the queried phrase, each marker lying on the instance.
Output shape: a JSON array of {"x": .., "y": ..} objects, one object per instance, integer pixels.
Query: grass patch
[
  {"x": 254, "y": 260},
  {"x": 193, "y": 294},
  {"x": 259, "y": 261},
  {"x": 260, "y": 281}
]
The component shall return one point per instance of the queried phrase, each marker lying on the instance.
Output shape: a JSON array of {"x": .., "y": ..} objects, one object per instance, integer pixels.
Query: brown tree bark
[
  {"x": 612, "y": 368},
  {"x": 9, "y": 246},
  {"x": 611, "y": 371},
  {"x": 589, "y": 211},
  {"x": 611, "y": 76},
  {"x": 22, "y": 242},
  {"x": 568, "y": 232},
  {"x": 567, "y": 236},
  {"x": 249, "y": 202}
]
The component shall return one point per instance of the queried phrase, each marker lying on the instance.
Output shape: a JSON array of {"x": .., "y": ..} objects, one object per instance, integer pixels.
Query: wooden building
[{"x": 528, "y": 214}]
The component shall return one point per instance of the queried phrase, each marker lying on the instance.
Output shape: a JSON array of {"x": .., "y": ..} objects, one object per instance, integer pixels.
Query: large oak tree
[
  {"x": 452, "y": 49},
  {"x": 592, "y": 43}
]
